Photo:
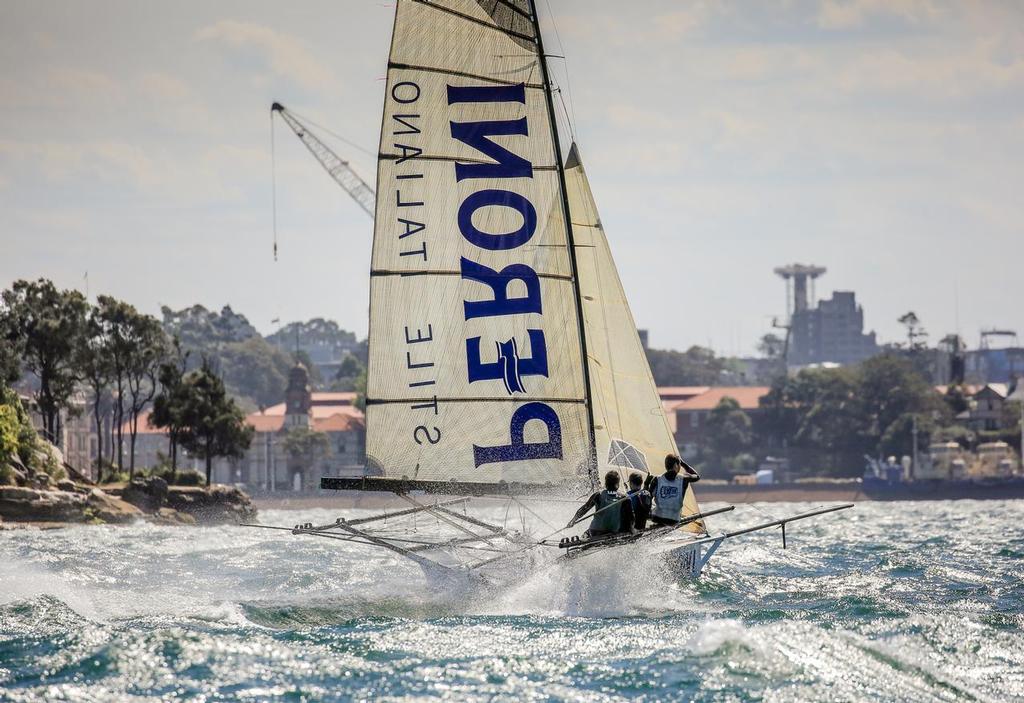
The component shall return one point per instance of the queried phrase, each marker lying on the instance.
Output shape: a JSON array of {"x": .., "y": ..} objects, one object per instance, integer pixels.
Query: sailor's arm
[
  {"x": 591, "y": 502},
  {"x": 651, "y": 484},
  {"x": 689, "y": 472}
]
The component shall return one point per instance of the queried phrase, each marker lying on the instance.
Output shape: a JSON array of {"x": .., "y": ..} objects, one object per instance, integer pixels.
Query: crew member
[
  {"x": 639, "y": 501},
  {"x": 613, "y": 512},
  {"x": 669, "y": 490}
]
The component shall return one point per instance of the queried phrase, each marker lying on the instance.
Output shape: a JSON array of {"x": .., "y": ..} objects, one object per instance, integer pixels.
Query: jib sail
[{"x": 630, "y": 429}]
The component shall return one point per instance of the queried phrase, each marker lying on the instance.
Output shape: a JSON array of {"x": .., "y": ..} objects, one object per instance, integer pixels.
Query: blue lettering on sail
[
  {"x": 518, "y": 449},
  {"x": 501, "y": 303},
  {"x": 507, "y": 164},
  {"x": 510, "y": 366},
  {"x": 497, "y": 198},
  {"x": 487, "y": 94}
]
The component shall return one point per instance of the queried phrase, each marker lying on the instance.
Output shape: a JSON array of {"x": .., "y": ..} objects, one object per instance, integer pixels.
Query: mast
[{"x": 559, "y": 167}]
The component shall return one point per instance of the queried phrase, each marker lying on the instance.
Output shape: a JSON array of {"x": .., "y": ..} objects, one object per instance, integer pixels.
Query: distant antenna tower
[{"x": 796, "y": 277}]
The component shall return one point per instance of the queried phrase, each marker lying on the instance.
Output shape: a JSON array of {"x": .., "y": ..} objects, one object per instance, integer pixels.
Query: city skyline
[{"x": 881, "y": 140}]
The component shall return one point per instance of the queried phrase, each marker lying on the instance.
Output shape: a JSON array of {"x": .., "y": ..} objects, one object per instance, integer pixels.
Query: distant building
[
  {"x": 831, "y": 332},
  {"x": 266, "y": 465},
  {"x": 688, "y": 408},
  {"x": 78, "y": 443},
  {"x": 994, "y": 365}
]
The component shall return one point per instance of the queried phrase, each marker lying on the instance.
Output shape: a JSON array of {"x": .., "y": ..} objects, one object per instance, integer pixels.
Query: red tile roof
[
  {"x": 144, "y": 426},
  {"x": 265, "y": 423},
  {"x": 334, "y": 398},
  {"x": 339, "y": 422},
  {"x": 748, "y": 397},
  {"x": 332, "y": 412},
  {"x": 681, "y": 392}
]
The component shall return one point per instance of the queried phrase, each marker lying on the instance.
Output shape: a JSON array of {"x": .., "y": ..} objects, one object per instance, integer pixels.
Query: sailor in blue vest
[
  {"x": 669, "y": 490},
  {"x": 639, "y": 501},
  {"x": 613, "y": 512}
]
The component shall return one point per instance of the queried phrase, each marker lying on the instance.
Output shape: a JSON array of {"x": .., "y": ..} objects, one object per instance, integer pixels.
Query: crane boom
[{"x": 336, "y": 166}]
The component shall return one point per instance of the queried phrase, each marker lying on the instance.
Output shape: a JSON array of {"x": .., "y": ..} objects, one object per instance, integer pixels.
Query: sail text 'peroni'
[{"x": 501, "y": 345}]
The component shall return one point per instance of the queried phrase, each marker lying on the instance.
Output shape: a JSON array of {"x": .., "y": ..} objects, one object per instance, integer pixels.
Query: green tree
[
  {"x": 8, "y": 435},
  {"x": 204, "y": 330},
  {"x": 816, "y": 419},
  {"x": 212, "y": 424},
  {"x": 304, "y": 446},
  {"x": 771, "y": 346},
  {"x": 348, "y": 373},
  {"x": 50, "y": 324},
  {"x": 149, "y": 347},
  {"x": 96, "y": 372},
  {"x": 697, "y": 366},
  {"x": 169, "y": 404},
  {"x": 254, "y": 369},
  {"x": 360, "y": 388},
  {"x": 889, "y": 387},
  {"x": 957, "y": 398},
  {"x": 116, "y": 318},
  {"x": 26, "y": 441},
  {"x": 915, "y": 331},
  {"x": 11, "y": 350},
  {"x": 729, "y": 430}
]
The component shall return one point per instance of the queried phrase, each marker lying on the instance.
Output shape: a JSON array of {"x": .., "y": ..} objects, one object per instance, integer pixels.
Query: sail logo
[
  {"x": 510, "y": 365},
  {"x": 508, "y": 359}
]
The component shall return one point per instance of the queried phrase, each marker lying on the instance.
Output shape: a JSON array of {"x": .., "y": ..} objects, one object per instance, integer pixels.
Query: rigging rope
[
  {"x": 334, "y": 134},
  {"x": 273, "y": 180},
  {"x": 568, "y": 83}
]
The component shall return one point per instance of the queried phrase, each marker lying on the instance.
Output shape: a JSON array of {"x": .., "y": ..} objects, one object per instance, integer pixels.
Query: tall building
[
  {"x": 829, "y": 331},
  {"x": 833, "y": 331}
]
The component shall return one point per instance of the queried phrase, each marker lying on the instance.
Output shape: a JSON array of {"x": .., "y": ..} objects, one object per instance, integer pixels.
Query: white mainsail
[
  {"x": 476, "y": 369},
  {"x": 630, "y": 428}
]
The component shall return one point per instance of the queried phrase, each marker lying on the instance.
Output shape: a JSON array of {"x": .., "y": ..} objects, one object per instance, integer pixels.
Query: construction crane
[{"x": 339, "y": 169}]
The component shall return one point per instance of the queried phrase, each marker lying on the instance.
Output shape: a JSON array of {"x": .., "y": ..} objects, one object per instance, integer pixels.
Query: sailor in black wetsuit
[
  {"x": 613, "y": 512},
  {"x": 669, "y": 490},
  {"x": 639, "y": 501}
]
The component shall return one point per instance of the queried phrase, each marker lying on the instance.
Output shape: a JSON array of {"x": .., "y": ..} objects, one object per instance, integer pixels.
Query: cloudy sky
[{"x": 883, "y": 139}]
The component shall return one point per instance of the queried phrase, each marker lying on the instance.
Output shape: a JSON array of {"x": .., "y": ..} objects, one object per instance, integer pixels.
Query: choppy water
[{"x": 906, "y": 601}]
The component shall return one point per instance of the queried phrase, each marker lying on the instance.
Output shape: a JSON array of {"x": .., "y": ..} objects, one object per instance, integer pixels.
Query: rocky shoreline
[{"x": 39, "y": 501}]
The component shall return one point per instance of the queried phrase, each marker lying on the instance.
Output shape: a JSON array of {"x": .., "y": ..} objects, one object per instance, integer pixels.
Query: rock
[
  {"x": 217, "y": 504},
  {"x": 170, "y": 516},
  {"x": 148, "y": 494},
  {"x": 28, "y": 504},
  {"x": 42, "y": 480},
  {"x": 110, "y": 509},
  {"x": 66, "y": 485},
  {"x": 21, "y": 472}
]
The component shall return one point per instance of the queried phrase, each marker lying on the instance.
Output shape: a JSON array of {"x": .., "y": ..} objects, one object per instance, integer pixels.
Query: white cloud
[
  {"x": 966, "y": 70},
  {"x": 62, "y": 87},
  {"x": 163, "y": 87},
  {"x": 849, "y": 14},
  {"x": 286, "y": 55}
]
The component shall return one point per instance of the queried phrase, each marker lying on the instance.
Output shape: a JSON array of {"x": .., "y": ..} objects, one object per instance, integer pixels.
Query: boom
[{"x": 339, "y": 169}]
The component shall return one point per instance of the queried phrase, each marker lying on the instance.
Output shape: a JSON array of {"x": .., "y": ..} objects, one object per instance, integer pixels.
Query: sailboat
[{"x": 503, "y": 356}]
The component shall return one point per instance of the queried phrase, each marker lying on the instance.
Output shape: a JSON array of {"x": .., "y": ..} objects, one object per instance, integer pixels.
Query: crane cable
[{"x": 273, "y": 181}]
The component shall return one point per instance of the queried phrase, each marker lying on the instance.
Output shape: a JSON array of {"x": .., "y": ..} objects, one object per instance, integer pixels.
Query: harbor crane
[{"x": 338, "y": 168}]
